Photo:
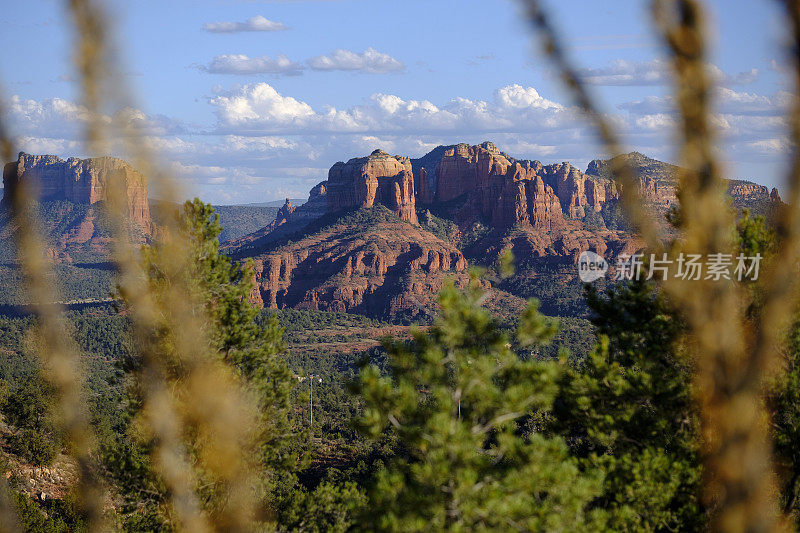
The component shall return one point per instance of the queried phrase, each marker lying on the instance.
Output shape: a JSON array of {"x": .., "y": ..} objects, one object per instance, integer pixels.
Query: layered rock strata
[
  {"x": 378, "y": 178},
  {"x": 80, "y": 181}
]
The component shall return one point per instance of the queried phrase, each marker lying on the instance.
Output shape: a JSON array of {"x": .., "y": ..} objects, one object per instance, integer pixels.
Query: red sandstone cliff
[
  {"x": 378, "y": 178},
  {"x": 505, "y": 191},
  {"x": 81, "y": 181},
  {"x": 70, "y": 218},
  {"x": 386, "y": 268}
]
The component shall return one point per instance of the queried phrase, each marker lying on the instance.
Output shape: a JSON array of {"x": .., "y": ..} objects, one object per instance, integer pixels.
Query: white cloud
[
  {"x": 45, "y": 145},
  {"x": 51, "y": 117},
  {"x": 257, "y": 23},
  {"x": 370, "y": 61},
  {"x": 264, "y": 141},
  {"x": 59, "y": 118},
  {"x": 519, "y": 97},
  {"x": 658, "y": 121},
  {"x": 654, "y": 72},
  {"x": 244, "y": 65},
  {"x": 750, "y": 126},
  {"x": 726, "y": 101},
  {"x": 770, "y": 146},
  {"x": 259, "y": 109},
  {"x": 261, "y": 103}
]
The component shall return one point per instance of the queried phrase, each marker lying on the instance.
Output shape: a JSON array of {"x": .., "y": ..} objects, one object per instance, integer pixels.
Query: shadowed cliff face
[
  {"x": 80, "y": 181},
  {"x": 72, "y": 193},
  {"x": 475, "y": 182},
  {"x": 367, "y": 262},
  {"x": 502, "y": 191}
]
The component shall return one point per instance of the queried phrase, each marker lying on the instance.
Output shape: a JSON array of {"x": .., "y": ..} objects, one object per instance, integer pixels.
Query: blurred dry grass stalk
[
  {"x": 187, "y": 392},
  {"x": 734, "y": 354},
  {"x": 59, "y": 355},
  {"x": 194, "y": 410}
]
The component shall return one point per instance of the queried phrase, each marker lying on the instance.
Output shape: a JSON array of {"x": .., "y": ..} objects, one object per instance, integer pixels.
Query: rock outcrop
[
  {"x": 504, "y": 191},
  {"x": 282, "y": 216},
  {"x": 577, "y": 191},
  {"x": 744, "y": 188},
  {"x": 656, "y": 178},
  {"x": 289, "y": 220},
  {"x": 80, "y": 181},
  {"x": 385, "y": 269},
  {"x": 376, "y": 179}
]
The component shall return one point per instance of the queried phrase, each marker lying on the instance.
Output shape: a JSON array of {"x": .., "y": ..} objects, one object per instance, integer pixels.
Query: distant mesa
[{"x": 80, "y": 181}]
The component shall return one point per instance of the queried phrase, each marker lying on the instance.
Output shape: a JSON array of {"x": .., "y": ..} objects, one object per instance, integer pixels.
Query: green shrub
[
  {"x": 50, "y": 516},
  {"x": 34, "y": 447}
]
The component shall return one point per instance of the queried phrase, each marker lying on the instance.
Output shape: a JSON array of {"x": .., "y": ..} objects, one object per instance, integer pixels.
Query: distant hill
[
  {"x": 240, "y": 220},
  {"x": 274, "y": 203},
  {"x": 759, "y": 199},
  {"x": 236, "y": 220}
]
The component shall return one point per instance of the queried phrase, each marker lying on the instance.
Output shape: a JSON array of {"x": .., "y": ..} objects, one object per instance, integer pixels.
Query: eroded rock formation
[
  {"x": 505, "y": 191},
  {"x": 544, "y": 213},
  {"x": 81, "y": 181},
  {"x": 282, "y": 216},
  {"x": 289, "y": 220},
  {"x": 378, "y": 178},
  {"x": 389, "y": 268}
]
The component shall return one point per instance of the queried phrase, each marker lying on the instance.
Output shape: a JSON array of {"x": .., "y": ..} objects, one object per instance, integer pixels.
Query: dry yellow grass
[
  {"x": 734, "y": 353},
  {"x": 186, "y": 391}
]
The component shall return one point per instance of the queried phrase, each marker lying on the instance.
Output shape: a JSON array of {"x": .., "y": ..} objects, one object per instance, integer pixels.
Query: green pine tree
[
  {"x": 628, "y": 412},
  {"x": 240, "y": 339},
  {"x": 457, "y": 400},
  {"x": 784, "y": 401}
]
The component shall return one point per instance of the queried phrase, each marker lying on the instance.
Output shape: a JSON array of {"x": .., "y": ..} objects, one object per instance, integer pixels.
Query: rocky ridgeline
[
  {"x": 482, "y": 183},
  {"x": 485, "y": 183},
  {"x": 745, "y": 189},
  {"x": 81, "y": 181}
]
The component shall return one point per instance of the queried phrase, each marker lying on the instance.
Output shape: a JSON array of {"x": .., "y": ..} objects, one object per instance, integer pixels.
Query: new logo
[{"x": 591, "y": 266}]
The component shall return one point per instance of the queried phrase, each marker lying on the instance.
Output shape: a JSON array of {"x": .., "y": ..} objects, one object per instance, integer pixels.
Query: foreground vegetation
[{"x": 465, "y": 424}]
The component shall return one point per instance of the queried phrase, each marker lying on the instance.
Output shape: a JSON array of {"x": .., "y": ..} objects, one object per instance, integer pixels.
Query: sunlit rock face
[
  {"x": 376, "y": 179},
  {"x": 81, "y": 181}
]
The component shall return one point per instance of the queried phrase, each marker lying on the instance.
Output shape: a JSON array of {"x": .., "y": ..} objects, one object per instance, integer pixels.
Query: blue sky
[{"x": 254, "y": 100}]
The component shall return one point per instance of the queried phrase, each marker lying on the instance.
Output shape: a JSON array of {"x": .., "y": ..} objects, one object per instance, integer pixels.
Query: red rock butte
[
  {"x": 376, "y": 179},
  {"x": 80, "y": 181},
  {"x": 487, "y": 184}
]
